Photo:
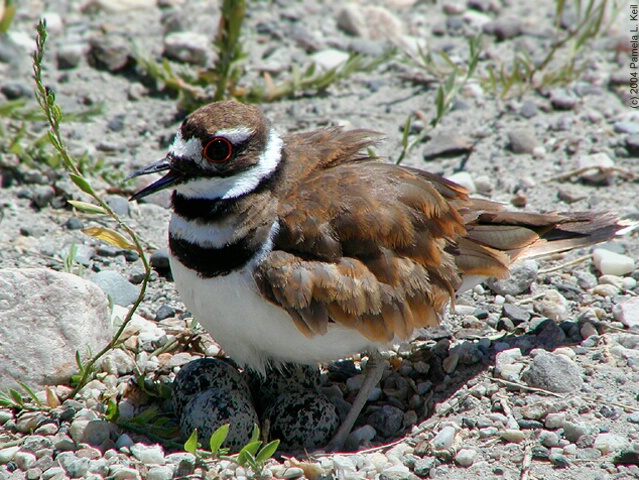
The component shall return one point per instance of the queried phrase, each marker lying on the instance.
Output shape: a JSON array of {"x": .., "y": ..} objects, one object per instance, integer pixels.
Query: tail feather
[{"x": 495, "y": 239}]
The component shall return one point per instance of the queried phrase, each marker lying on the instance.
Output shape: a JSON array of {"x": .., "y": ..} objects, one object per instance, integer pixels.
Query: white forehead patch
[
  {"x": 235, "y": 135},
  {"x": 191, "y": 149}
]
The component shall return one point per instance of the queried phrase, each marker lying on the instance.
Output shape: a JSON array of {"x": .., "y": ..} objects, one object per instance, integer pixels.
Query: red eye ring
[{"x": 218, "y": 150}]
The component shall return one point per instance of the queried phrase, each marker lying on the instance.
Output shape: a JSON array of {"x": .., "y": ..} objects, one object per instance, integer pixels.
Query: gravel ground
[{"x": 534, "y": 377}]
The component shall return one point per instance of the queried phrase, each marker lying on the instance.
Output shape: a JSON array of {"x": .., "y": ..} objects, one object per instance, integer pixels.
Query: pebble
[
  {"x": 553, "y": 305},
  {"x": 516, "y": 314},
  {"x": 387, "y": 421},
  {"x": 373, "y": 22},
  {"x": 612, "y": 263},
  {"x": 632, "y": 145},
  {"x": 7, "y": 454},
  {"x": 553, "y": 372},
  {"x": 605, "y": 290},
  {"x": 159, "y": 473},
  {"x": 109, "y": 52},
  {"x": 561, "y": 99},
  {"x": 148, "y": 455},
  {"x": 522, "y": 276},
  {"x": 555, "y": 420},
  {"x": 504, "y": 28},
  {"x": 627, "y": 312},
  {"x": 465, "y": 179},
  {"x": 330, "y": 58},
  {"x": 160, "y": 259},
  {"x": 69, "y": 56},
  {"x": 444, "y": 438},
  {"x": 121, "y": 291},
  {"x": 609, "y": 442},
  {"x": 522, "y": 140},
  {"x": 188, "y": 47},
  {"x": 512, "y": 435},
  {"x": 466, "y": 457},
  {"x": 446, "y": 143},
  {"x": 598, "y": 165},
  {"x": 631, "y": 128}
]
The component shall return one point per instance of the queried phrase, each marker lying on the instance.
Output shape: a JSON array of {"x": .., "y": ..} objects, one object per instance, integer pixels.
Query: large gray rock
[{"x": 45, "y": 317}]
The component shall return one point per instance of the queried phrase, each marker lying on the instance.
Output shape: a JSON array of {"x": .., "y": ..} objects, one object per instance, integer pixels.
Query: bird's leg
[{"x": 373, "y": 374}]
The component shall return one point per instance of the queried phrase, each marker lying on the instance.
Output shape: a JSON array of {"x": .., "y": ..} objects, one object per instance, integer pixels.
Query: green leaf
[
  {"x": 87, "y": 207},
  {"x": 267, "y": 451},
  {"x": 110, "y": 236},
  {"x": 81, "y": 183},
  {"x": 191, "y": 444},
  {"x": 251, "y": 448},
  {"x": 255, "y": 435},
  {"x": 113, "y": 410},
  {"x": 16, "y": 397},
  {"x": 218, "y": 438},
  {"x": 30, "y": 392}
]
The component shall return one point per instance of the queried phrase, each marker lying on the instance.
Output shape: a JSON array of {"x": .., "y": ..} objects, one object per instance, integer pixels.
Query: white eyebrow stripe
[
  {"x": 235, "y": 135},
  {"x": 237, "y": 185}
]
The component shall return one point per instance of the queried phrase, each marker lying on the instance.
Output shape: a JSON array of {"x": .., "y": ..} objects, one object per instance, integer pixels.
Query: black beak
[{"x": 171, "y": 178}]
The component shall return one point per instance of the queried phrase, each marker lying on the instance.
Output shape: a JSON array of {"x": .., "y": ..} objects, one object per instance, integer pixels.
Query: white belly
[{"x": 253, "y": 331}]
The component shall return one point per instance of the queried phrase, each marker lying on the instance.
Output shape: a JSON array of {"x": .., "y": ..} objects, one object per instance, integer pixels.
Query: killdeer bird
[{"x": 304, "y": 249}]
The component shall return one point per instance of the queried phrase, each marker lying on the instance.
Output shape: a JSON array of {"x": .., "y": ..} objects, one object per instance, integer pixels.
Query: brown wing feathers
[{"x": 382, "y": 249}]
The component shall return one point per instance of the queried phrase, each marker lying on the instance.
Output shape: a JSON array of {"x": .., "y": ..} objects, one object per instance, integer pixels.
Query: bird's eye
[{"x": 218, "y": 150}]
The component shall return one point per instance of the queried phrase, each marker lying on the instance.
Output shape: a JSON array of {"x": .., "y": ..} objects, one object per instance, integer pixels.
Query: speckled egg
[
  {"x": 202, "y": 375},
  {"x": 265, "y": 389},
  {"x": 301, "y": 419},
  {"x": 209, "y": 410}
]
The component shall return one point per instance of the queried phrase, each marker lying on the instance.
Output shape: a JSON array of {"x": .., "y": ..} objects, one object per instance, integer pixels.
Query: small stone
[
  {"x": 148, "y": 455},
  {"x": 555, "y": 420},
  {"x": 70, "y": 55},
  {"x": 160, "y": 259},
  {"x": 522, "y": 275},
  {"x": 188, "y": 47},
  {"x": 386, "y": 421},
  {"x": 444, "y": 438},
  {"x": 466, "y": 457},
  {"x": 553, "y": 305},
  {"x": 424, "y": 465},
  {"x": 359, "y": 436},
  {"x": 330, "y": 58},
  {"x": 522, "y": 140},
  {"x": 464, "y": 179},
  {"x": 561, "y": 99},
  {"x": 559, "y": 460},
  {"x": 117, "y": 287},
  {"x": 446, "y": 143},
  {"x": 164, "y": 312},
  {"x": 512, "y": 435},
  {"x": 41, "y": 195},
  {"x": 484, "y": 184},
  {"x": 605, "y": 290},
  {"x": 631, "y": 128},
  {"x": 548, "y": 439},
  {"x": 516, "y": 314},
  {"x": 553, "y": 372},
  {"x": 505, "y": 28},
  {"x": 7, "y": 454},
  {"x": 627, "y": 312},
  {"x": 109, "y": 53},
  {"x": 450, "y": 363},
  {"x": 159, "y": 473},
  {"x": 609, "y": 442},
  {"x": 598, "y": 167},
  {"x": 574, "y": 431},
  {"x": 373, "y": 22},
  {"x": 632, "y": 145},
  {"x": 74, "y": 466},
  {"x": 612, "y": 263},
  {"x": 588, "y": 330}
]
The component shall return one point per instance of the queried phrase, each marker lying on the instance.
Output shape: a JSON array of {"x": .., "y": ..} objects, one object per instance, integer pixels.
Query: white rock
[
  {"x": 7, "y": 454},
  {"x": 476, "y": 19},
  {"x": 148, "y": 455},
  {"x": 612, "y": 263},
  {"x": 464, "y": 179},
  {"x": 609, "y": 442},
  {"x": 595, "y": 162},
  {"x": 374, "y": 22},
  {"x": 444, "y": 438},
  {"x": 24, "y": 460},
  {"x": 627, "y": 312},
  {"x": 47, "y": 317},
  {"x": 466, "y": 457},
  {"x": 567, "y": 351},
  {"x": 329, "y": 58},
  {"x": 55, "y": 25},
  {"x": 116, "y": 6},
  {"x": 553, "y": 305},
  {"x": 160, "y": 473},
  {"x": 611, "y": 280},
  {"x": 189, "y": 47}
]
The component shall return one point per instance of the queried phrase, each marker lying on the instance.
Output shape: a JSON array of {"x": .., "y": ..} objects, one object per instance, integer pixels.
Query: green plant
[
  {"x": 129, "y": 240},
  {"x": 252, "y": 455},
  {"x": 453, "y": 78},
  {"x": 7, "y": 13}
]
